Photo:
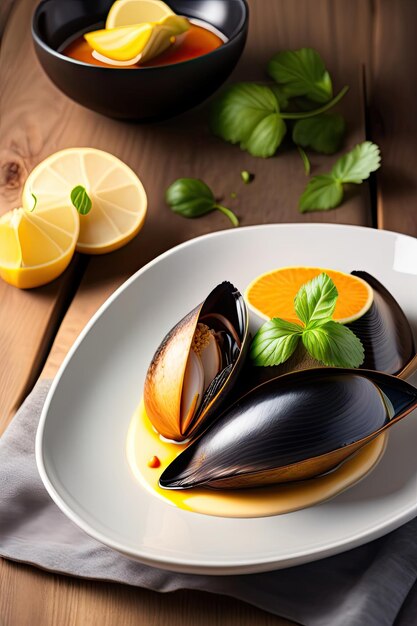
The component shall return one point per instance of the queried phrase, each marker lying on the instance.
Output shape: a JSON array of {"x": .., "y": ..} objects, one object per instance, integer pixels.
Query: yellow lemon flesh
[
  {"x": 35, "y": 248},
  {"x": 118, "y": 198},
  {"x": 131, "y": 12},
  {"x": 140, "y": 42}
]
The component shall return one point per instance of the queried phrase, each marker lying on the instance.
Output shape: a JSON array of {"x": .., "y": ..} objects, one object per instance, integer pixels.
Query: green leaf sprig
[
  {"x": 255, "y": 116},
  {"x": 325, "y": 191},
  {"x": 81, "y": 200},
  {"x": 324, "y": 339},
  {"x": 35, "y": 202},
  {"x": 191, "y": 197}
]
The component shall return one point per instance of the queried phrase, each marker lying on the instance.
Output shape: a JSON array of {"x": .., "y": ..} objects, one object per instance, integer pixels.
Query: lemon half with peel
[
  {"x": 118, "y": 198},
  {"x": 272, "y": 294},
  {"x": 129, "y": 12},
  {"x": 35, "y": 248}
]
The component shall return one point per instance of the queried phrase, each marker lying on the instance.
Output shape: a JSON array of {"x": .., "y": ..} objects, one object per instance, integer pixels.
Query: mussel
[
  {"x": 298, "y": 426},
  {"x": 385, "y": 332},
  {"x": 196, "y": 364}
]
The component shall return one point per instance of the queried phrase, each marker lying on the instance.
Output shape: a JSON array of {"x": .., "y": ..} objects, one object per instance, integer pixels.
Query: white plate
[{"x": 81, "y": 439}]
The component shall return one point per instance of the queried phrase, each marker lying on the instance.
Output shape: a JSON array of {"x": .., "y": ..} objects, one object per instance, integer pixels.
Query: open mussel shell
[
  {"x": 294, "y": 427},
  {"x": 385, "y": 333},
  {"x": 196, "y": 364}
]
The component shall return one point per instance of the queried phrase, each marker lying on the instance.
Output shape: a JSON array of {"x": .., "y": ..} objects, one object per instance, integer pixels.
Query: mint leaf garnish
[
  {"x": 301, "y": 73},
  {"x": 357, "y": 165},
  {"x": 323, "y": 133},
  {"x": 248, "y": 114},
  {"x": 334, "y": 345},
  {"x": 81, "y": 200},
  {"x": 275, "y": 342},
  {"x": 325, "y": 191},
  {"x": 316, "y": 300},
  {"x": 325, "y": 340}
]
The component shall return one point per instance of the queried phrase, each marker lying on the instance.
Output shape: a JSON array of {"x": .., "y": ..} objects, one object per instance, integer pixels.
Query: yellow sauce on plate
[{"x": 143, "y": 443}]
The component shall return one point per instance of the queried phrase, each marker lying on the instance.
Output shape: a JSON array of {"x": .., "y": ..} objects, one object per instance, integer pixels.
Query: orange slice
[
  {"x": 272, "y": 294},
  {"x": 37, "y": 247},
  {"x": 118, "y": 198}
]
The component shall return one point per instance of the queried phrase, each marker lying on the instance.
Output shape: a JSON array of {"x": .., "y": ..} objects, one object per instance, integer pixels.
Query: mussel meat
[
  {"x": 295, "y": 427},
  {"x": 196, "y": 364},
  {"x": 385, "y": 332}
]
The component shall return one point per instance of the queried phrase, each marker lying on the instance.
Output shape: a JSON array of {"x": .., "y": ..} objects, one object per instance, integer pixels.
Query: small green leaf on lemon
[{"x": 81, "y": 200}]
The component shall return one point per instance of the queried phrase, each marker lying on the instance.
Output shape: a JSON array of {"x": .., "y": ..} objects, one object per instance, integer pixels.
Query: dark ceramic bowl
[{"x": 148, "y": 93}]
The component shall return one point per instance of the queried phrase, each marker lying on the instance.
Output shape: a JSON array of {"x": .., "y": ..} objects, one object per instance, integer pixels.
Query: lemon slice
[
  {"x": 140, "y": 42},
  {"x": 37, "y": 247},
  {"x": 130, "y": 12},
  {"x": 118, "y": 198}
]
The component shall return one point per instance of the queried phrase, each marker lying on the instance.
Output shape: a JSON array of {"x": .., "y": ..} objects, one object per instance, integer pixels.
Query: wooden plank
[
  {"x": 37, "y": 120},
  {"x": 393, "y": 112},
  {"x": 64, "y": 601},
  {"x": 5, "y": 10},
  {"x": 28, "y": 319}
]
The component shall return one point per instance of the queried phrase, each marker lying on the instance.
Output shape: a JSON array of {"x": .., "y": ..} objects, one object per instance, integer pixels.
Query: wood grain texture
[
  {"x": 393, "y": 112},
  {"x": 65, "y": 601},
  {"x": 35, "y": 120},
  {"x": 28, "y": 319}
]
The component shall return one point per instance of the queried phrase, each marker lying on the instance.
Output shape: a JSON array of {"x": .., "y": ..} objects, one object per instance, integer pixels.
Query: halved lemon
[
  {"x": 118, "y": 198},
  {"x": 129, "y": 12},
  {"x": 37, "y": 247},
  {"x": 272, "y": 294}
]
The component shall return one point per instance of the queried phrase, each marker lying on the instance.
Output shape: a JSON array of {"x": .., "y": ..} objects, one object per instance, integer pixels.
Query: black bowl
[{"x": 149, "y": 93}]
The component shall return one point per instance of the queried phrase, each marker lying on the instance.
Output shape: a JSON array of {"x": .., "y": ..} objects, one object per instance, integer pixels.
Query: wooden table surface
[{"x": 367, "y": 44}]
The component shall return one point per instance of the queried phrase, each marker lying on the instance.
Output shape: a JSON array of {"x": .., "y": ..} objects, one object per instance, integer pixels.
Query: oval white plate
[{"x": 81, "y": 439}]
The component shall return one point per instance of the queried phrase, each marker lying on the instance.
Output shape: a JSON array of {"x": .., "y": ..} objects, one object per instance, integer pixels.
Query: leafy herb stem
[
  {"x": 232, "y": 217},
  {"x": 305, "y": 160},
  {"x": 301, "y": 116}
]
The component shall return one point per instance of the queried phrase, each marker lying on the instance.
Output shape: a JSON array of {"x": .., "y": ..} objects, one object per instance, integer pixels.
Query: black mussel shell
[
  {"x": 384, "y": 331},
  {"x": 294, "y": 427}
]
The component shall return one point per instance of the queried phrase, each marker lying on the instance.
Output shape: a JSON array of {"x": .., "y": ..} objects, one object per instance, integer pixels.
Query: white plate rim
[{"x": 187, "y": 565}]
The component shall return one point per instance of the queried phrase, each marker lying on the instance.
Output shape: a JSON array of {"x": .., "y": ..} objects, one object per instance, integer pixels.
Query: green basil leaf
[
  {"x": 323, "y": 133},
  {"x": 190, "y": 197},
  {"x": 357, "y": 165},
  {"x": 275, "y": 342},
  {"x": 334, "y": 345},
  {"x": 323, "y": 192},
  {"x": 81, "y": 200},
  {"x": 248, "y": 114},
  {"x": 301, "y": 73},
  {"x": 316, "y": 299}
]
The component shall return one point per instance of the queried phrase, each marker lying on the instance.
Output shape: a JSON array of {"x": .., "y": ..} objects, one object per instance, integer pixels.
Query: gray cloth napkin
[{"x": 374, "y": 585}]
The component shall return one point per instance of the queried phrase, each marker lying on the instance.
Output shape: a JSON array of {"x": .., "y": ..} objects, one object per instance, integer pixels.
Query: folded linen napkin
[{"x": 374, "y": 585}]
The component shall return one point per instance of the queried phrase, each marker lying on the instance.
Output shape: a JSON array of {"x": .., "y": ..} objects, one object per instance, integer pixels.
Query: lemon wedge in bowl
[
  {"x": 35, "y": 248},
  {"x": 130, "y": 12},
  {"x": 139, "y": 42},
  {"x": 118, "y": 199}
]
